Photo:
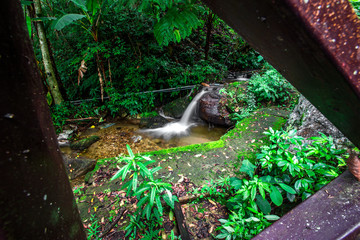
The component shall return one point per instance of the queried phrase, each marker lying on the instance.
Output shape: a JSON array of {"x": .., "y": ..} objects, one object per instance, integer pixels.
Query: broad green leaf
[
  {"x": 252, "y": 219},
  {"x": 229, "y": 229},
  {"x": 248, "y": 168},
  {"x": 263, "y": 204},
  {"x": 287, "y": 188},
  {"x": 236, "y": 183},
  {"x": 169, "y": 201},
  {"x": 67, "y": 20},
  {"x": 275, "y": 196},
  {"x": 93, "y": 6},
  {"x": 290, "y": 197},
  {"x": 81, "y": 4},
  {"x": 271, "y": 217}
]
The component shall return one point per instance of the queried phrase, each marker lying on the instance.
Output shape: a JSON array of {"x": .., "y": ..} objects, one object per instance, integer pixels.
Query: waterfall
[{"x": 179, "y": 128}]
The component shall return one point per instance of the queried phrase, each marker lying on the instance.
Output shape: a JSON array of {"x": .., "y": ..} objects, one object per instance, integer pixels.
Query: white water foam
[{"x": 179, "y": 128}]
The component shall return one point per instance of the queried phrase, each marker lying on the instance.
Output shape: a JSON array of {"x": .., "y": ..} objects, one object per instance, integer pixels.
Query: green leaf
[
  {"x": 290, "y": 197},
  {"x": 28, "y": 24},
  {"x": 131, "y": 154},
  {"x": 229, "y": 229},
  {"x": 147, "y": 211},
  {"x": 275, "y": 196},
  {"x": 142, "y": 201},
  {"x": 145, "y": 170},
  {"x": 67, "y": 20},
  {"x": 26, "y": 3},
  {"x": 159, "y": 205},
  {"x": 271, "y": 217},
  {"x": 253, "y": 193},
  {"x": 154, "y": 170},
  {"x": 248, "y": 168},
  {"x": 93, "y": 6},
  {"x": 236, "y": 183},
  {"x": 135, "y": 181},
  {"x": 152, "y": 196},
  {"x": 118, "y": 173},
  {"x": 287, "y": 188},
  {"x": 169, "y": 201},
  {"x": 81, "y": 4},
  {"x": 263, "y": 204},
  {"x": 125, "y": 171}
]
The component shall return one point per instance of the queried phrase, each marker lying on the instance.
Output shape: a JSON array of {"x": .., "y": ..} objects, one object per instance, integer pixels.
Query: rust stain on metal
[{"x": 337, "y": 27}]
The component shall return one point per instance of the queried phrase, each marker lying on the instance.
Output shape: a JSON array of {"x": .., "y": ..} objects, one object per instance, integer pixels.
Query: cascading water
[{"x": 180, "y": 128}]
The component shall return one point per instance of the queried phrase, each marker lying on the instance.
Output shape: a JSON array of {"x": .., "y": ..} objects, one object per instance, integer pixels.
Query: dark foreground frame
[
  {"x": 313, "y": 43},
  {"x": 316, "y": 46}
]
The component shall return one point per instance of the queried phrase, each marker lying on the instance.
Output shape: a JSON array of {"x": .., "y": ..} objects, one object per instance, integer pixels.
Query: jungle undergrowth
[{"x": 286, "y": 172}]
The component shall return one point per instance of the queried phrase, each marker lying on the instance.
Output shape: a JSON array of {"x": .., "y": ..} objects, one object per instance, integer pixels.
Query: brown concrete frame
[{"x": 314, "y": 44}]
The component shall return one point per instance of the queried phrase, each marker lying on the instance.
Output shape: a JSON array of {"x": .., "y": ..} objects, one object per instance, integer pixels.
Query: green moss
[{"x": 190, "y": 148}]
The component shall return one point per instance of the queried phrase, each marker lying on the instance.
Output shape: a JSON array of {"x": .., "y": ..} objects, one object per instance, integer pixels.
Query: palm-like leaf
[{"x": 67, "y": 20}]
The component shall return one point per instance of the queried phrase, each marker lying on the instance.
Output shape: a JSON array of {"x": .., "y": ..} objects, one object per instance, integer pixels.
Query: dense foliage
[
  {"x": 266, "y": 87},
  {"x": 112, "y": 49},
  {"x": 287, "y": 172}
]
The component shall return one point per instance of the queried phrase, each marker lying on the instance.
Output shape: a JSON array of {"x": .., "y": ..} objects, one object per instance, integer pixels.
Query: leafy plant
[
  {"x": 305, "y": 167},
  {"x": 140, "y": 183},
  {"x": 244, "y": 224},
  {"x": 93, "y": 230},
  {"x": 270, "y": 86}
]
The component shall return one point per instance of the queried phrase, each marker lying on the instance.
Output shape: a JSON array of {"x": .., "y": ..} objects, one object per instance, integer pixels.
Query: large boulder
[
  {"x": 79, "y": 166},
  {"x": 176, "y": 108},
  {"x": 153, "y": 122},
  {"x": 309, "y": 122},
  {"x": 212, "y": 109}
]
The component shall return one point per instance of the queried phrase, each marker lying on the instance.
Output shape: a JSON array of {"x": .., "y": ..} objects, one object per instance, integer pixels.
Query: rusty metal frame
[{"x": 314, "y": 44}]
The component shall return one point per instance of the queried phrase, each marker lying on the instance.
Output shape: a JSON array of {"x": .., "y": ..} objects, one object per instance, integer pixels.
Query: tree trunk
[
  {"x": 36, "y": 200},
  {"x": 208, "y": 34},
  {"x": 49, "y": 69}
]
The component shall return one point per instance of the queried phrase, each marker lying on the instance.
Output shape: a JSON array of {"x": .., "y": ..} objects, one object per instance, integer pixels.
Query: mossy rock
[{"x": 84, "y": 143}]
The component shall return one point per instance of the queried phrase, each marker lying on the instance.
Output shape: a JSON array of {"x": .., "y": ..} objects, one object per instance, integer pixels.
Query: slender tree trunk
[
  {"x": 209, "y": 24},
  {"x": 36, "y": 201},
  {"x": 49, "y": 69}
]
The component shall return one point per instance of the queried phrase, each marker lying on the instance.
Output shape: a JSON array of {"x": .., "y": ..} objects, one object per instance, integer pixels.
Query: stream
[{"x": 113, "y": 139}]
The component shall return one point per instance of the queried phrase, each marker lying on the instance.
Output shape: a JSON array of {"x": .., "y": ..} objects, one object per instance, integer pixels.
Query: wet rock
[
  {"x": 63, "y": 138},
  {"x": 309, "y": 122},
  {"x": 213, "y": 111},
  {"x": 176, "y": 108},
  {"x": 84, "y": 143},
  {"x": 136, "y": 138},
  {"x": 76, "y": 167},
  {"x": 153, "y": 122}
]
